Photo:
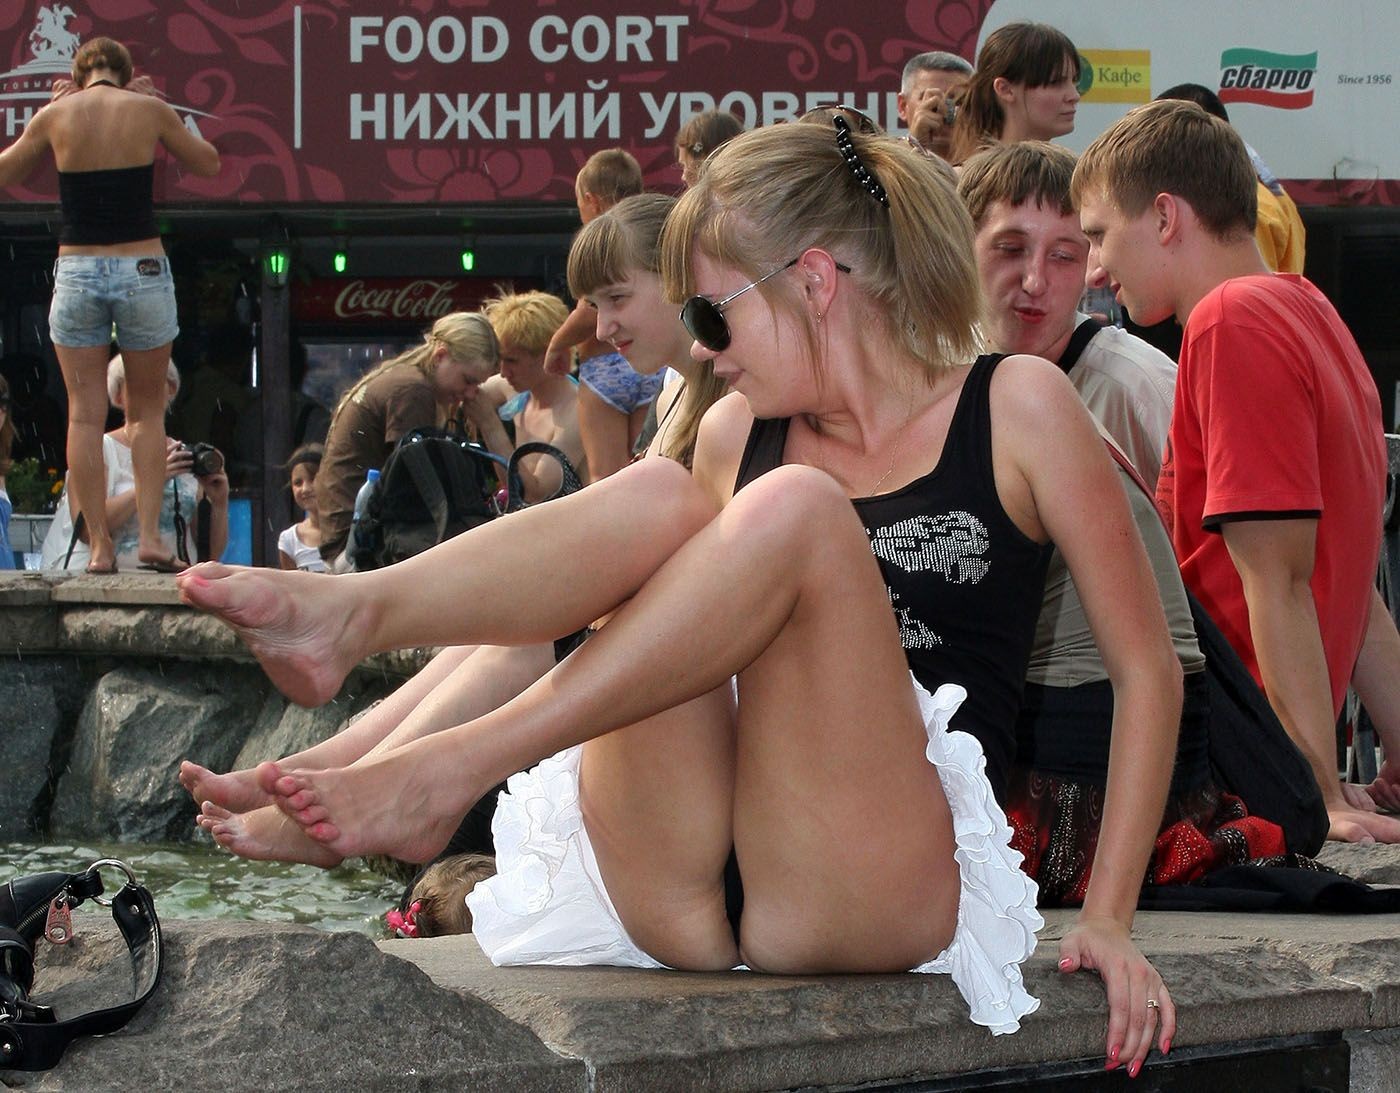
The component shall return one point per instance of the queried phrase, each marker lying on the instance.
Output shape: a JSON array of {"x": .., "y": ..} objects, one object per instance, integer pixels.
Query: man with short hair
[
  {"x": 1274, "y": 476},
  {"x": 930, "y": 85},
  {"x": 1278, "y": 230},
  {"x": 544, "y": 407},
  {"x": 1032, "y": 256}
]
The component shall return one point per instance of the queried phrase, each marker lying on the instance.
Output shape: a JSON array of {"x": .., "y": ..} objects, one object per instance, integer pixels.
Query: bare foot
[
  {"x": 296, "y": 624},
  {"x": 406, "y": 803},
  {"x": 237, "y": 791},
  {"x": 264, "y": 834}
]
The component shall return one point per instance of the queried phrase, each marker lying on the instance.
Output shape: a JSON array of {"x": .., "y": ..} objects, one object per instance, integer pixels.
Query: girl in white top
[{"x": 299, "y": 546}]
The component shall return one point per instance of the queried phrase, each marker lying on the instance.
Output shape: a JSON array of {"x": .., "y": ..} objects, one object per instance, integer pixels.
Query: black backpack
[{"x": 436, "y": 484}]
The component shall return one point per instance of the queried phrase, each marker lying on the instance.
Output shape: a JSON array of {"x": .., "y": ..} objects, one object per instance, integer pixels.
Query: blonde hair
[
  {"x": 1173, "y": 146},
  {"x": 1030, "y": 54},
  {"x": 466, "y": 335},
  {"x": 610, "y": 175},
  {"x": 441, "y": 893},
  {"x": 769, "y": 194},
  {"x": 116, "y": 378},
  {"x": 525, "y": 319},
  {"x": 1030, "y": 170}
]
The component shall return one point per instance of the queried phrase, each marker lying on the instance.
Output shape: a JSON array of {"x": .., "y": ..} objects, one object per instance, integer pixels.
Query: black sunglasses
[{"x": 704, "y": 318}]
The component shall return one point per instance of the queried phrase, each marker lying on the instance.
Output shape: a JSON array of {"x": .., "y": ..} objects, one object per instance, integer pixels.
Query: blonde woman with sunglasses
[{"x": 836, "y": 821}]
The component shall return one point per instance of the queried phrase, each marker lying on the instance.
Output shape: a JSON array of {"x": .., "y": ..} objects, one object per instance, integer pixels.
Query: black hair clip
[{"x": 864, "y": 175}]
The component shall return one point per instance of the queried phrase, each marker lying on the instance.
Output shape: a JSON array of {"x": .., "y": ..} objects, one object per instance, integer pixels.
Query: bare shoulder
[
  {"x": 719, "y": 446},
  {"x": 727, "y": 423},
  {"x": 1027, "y": 390}
]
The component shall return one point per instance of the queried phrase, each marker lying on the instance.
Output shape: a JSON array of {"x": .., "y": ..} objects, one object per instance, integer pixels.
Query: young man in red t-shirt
[{"x": 1274, "y": 475}]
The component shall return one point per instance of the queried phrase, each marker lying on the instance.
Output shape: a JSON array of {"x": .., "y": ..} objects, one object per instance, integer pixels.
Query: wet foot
[
  {"x": 407, "y": 803},
  {"x": 298, "y": 625},
  {"x": 236, "y": 791},
  {"x": 264, "y": 834}
]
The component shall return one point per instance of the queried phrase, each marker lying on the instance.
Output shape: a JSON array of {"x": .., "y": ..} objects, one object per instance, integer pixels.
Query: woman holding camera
[{"x": 192, "y": 473}]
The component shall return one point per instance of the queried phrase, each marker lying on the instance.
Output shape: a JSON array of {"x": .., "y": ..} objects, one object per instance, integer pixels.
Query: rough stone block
[
  {"x": 147, "y": 631},
  {"x": 283, "y": 728},
  {"x": 29, "y": 630},
  {"x": 137, "y": 725},
  {"x": 1374, "y": 863},
  {"x": 1375, "y": 1060},
  {"x": 19, "y": 588},
  {"x": 253, "y": 1007},
  {"x": 38, "y": 697}
]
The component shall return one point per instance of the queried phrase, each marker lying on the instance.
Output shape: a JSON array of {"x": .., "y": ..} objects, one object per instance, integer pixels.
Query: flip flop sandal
[{"x": 165, "y": 565}]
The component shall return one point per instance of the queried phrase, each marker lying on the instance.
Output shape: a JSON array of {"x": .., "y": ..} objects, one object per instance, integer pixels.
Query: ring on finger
[{"x": 1153, "y": 1004}]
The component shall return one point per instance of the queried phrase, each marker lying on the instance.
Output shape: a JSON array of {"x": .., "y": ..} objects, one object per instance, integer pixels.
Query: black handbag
[
  {"x": 436, "y": 484},
  {"x": 32, "y": 1036}
]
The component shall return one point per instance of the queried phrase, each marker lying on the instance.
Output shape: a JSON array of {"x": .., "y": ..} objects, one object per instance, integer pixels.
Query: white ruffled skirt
[{"x": 547, "y": 903}]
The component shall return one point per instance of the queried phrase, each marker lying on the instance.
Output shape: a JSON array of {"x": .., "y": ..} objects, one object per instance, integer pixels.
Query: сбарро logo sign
[{"x": 1282, "y": 80}]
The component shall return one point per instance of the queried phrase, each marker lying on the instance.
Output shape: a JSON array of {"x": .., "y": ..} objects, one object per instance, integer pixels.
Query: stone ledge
[
  {"x": 263, "y": 1006},
  {"x": 1234, "y": 977},
  {"x": 130, "y": 614}
]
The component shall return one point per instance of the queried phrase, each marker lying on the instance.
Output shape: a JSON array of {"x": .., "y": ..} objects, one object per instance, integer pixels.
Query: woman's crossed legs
[{"x": 840, "y": 824}]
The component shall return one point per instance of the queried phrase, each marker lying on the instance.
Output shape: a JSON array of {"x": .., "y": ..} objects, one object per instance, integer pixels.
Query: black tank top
[
  {"x": 964, "y": 581},
  {"x": 108, "y": 206}
]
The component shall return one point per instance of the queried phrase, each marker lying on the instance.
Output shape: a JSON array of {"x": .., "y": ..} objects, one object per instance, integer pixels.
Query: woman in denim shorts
[{"x": 103, "y": 128}]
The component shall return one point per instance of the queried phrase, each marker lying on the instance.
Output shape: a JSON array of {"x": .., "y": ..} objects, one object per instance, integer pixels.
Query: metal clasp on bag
[{"x": 115, "y": 863}]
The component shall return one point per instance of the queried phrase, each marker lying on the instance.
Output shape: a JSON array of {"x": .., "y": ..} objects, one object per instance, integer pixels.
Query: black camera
[{"x": 205, "y": 459}]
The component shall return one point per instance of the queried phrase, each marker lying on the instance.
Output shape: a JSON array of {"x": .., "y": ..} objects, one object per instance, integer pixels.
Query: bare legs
[
  {"x": 526, "y": 579},
  {"x": 238, "y": 790},
  {"x": 146, "y": 393},
  {"x": 457, "y": 685},
  {"x": 85, "y": 376},
  {"x": 840, "y": 824}
]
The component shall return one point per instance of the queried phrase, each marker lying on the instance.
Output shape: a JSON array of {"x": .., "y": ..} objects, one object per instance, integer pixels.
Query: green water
[{"x": 193, "y": 881}]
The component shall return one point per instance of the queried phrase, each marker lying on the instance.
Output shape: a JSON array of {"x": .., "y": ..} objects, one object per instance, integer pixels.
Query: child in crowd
[
  {"x": 613, "y": 398},
  {"x": 699, "y": 137},
  {"x": 435, "y": 903},
  {"x": 299, "y": 546}
]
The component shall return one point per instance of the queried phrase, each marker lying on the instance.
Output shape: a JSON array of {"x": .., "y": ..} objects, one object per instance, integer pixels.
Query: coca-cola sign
[{"x": 419, "y": 301}]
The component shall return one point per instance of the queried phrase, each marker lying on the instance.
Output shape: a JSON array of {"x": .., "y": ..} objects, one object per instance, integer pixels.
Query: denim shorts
[{"x": 91, "y": 293}]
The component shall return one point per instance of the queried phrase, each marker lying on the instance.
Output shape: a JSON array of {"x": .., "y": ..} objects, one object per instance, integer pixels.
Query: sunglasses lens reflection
[{"x": 705, "y": 323}]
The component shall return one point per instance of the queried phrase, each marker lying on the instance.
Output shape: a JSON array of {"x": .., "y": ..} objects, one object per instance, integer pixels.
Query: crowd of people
[{"x": 905, "y": 595}]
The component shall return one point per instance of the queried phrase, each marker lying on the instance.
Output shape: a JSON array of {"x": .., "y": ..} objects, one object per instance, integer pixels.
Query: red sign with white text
[
  {"x": 417, "y": 300},
  {"x": 363, "y": 101}
]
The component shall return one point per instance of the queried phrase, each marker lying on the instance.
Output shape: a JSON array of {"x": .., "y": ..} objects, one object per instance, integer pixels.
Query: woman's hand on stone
[{"x": 1139, "y": 1004}]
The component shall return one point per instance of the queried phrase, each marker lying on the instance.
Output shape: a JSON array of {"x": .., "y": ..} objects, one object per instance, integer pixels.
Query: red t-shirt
[{"x": 1276, "y": 413}]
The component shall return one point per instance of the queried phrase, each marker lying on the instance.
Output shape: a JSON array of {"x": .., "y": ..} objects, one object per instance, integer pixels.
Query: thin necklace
[{"x": 894, "y": 450}]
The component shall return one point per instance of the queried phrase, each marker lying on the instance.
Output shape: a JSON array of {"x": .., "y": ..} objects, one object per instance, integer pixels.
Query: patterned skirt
[{"x": 1055, "y": 825}]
